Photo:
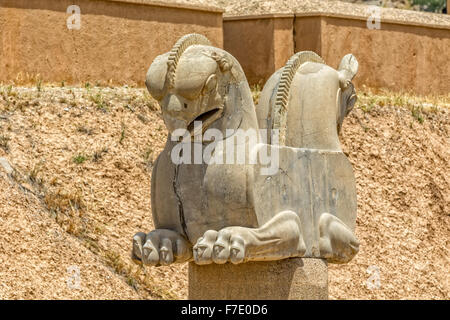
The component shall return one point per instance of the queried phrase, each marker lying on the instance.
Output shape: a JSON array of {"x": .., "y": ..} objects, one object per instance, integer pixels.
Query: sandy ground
[
  {"x": 402, "y": 174},
  {"x": 86, "y": 154},
  {"x": 40, "y": 261}
]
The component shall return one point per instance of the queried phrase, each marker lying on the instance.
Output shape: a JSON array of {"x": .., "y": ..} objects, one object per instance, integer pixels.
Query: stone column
[{"x": 289, "y": 279}]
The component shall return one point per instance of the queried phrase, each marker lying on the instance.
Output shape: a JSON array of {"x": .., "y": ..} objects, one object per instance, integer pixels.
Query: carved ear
[
  {"x": 210, "y": 84},
  {"x": 350, "y": 65},
  {"x": 155, "y": 79},
  {"x": 224, "y": 63}
]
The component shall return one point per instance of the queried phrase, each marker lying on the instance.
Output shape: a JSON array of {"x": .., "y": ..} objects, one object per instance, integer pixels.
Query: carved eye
[
  {"x": 210, "y": 84},
  {"x": 185, "y": 105}
]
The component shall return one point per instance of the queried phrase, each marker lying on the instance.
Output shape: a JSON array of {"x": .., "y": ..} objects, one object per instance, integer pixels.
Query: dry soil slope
[
  {"x": 403, "y": 182},
  {"x": 400, "y": 158},
  {"x": 39, "y": 260},
  {"x": 88, "y": 153}
]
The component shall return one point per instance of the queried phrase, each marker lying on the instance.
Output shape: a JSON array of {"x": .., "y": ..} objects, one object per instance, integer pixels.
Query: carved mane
[
  {"x": 180, "y": 46},
  {"x": 277, "y": 112}
]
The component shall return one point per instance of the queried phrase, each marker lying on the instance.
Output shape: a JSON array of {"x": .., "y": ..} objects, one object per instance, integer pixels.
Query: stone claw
[
  {"x": 237, "y": 253},
  {"x": 138, "y": 240},
  {"x": 166, "y": 252},
  {"x": 240, "y": 244},
  {"x": 150, "y": 252},
  {"x": 160, "y": 247},
  {"x": 203, "y": 249},
  {"x": 220, "y": 247}
]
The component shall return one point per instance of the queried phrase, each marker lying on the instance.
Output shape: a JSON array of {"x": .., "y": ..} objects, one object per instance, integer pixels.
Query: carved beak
[{"x": 202, "y": 122}]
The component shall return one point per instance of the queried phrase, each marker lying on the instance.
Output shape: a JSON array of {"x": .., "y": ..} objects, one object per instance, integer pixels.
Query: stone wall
[
  {"x": 260, "y": 43},
  {"x": 399, "y": 56},
  {"x": 402, "y": 55},
  {"x": 116, "y": 43},
  {"x": 119, "y": 39}
]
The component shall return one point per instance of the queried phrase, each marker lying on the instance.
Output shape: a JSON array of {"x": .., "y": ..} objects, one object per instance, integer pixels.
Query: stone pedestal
[{"x": 289, "y": 279}]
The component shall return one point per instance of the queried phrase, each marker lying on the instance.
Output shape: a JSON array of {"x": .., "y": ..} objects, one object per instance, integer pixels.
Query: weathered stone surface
[
  {"x": 294, "y": 279},
  {"x": 312, "y": 183},
  {"x": 307, "y": 101},
  {"x": 219, "y": 211},
  {"x": 197, "y": 82}
]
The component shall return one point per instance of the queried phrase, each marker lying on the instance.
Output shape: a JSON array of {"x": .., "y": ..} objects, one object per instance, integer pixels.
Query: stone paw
[
  {"x": 227, "y": 245},
  {"x": 279, "y": 238},
  {"x": 160, "y": 247},
  {"x": 337, "y": 242}
]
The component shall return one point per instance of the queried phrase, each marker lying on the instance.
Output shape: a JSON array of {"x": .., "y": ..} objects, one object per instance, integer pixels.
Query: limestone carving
[
  {"x": 307, "y": 101},
  {"x": 216, "y": 211}
]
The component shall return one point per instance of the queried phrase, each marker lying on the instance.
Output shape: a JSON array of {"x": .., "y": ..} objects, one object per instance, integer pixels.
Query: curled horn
[
  {"x": 182, "y": 44},
  {"x": 278, "y": 112}
]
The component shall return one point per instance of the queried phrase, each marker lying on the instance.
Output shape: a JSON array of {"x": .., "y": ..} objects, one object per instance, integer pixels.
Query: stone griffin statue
[{"x": 222, "y": 211}]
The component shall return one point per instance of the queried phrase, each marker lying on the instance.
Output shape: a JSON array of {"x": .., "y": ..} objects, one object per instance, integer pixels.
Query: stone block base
[{"x": 289, "y": 279}]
